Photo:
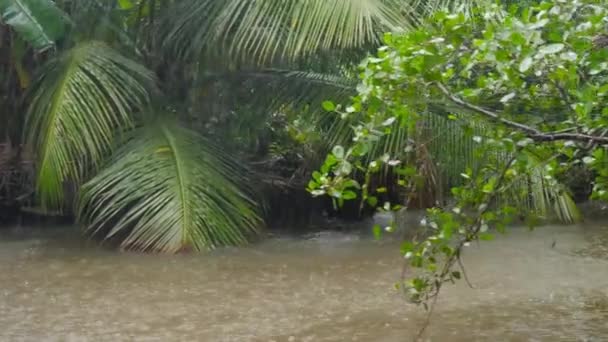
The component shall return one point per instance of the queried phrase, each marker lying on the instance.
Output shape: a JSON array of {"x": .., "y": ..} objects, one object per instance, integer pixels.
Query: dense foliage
[
  {"x": 534, "y": 78},
  {"x": 85, "y": 81}
]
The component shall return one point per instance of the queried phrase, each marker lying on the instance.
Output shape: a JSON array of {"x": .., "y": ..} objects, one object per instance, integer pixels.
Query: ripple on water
[{"x": 325, "y": 289}]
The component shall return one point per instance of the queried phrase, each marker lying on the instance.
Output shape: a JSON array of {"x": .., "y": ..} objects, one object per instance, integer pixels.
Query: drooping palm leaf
[
  {"x": 538, "y": 194},
  {"x": 77, "y": 105},
  {"x": 39, "y": 22},
  {"x": 169, "y": 190},
  {"x": 284, "y": 28}
]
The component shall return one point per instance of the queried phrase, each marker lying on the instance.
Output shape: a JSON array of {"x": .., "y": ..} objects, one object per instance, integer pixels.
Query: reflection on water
[{"x": 546, "y": 285}]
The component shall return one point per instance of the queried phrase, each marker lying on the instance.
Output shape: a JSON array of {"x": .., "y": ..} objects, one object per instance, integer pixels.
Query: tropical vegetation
[
  {"x": 163, "y": 124},
  {"x": 88, "y": 81}
]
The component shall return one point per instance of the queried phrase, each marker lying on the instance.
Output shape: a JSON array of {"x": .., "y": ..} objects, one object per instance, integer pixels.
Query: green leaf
[
  {"x": 377, "y": 231},
  {"x": 488, "y": 188},
  {"x": 125, "y": 4},
  {"x": 525, "y": 64},
  {"x": 372, "y": 201},
  {"x": 351, "y": 183},
  {"x": 486, "y": 236},
  {"x": 39, "y": 22},
  {"x": 507, "y": 97},
  {"x": 312, "y": 185},
  {"x": 349, "y": 195},
  {"x": 446, "y": 231},
  {"x": 345, "y": 168},
  {"x": 317, "y": 176},
  {"x": 329, "y": 106},
  {"x": 588, "y": 160},
  {"x": 338, "y": 152},
  {"x": 407, "y": 247}
]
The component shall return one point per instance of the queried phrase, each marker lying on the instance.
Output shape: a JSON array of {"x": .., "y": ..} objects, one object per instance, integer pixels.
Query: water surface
[{"x": 546, "y": 285}]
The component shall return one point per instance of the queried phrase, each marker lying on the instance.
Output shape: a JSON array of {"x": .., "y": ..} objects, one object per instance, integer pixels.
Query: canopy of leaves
[{"x": 535, "y": 78}]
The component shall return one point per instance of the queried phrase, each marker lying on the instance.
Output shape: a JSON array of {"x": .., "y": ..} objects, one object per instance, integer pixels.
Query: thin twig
[
  {"x": 464, "y": 272},
  {"x": 427, "y": 321}
]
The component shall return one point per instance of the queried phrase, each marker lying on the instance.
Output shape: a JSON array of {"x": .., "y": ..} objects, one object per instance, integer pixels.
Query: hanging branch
[{"x": 532, "y": 133}]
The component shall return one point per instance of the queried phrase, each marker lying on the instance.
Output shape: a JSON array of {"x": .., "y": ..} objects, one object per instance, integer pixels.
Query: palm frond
[
  {"x": 76, "y": 106},
  {"x": 289, "y": 29},
  {"x": 539, "y": 195},
  {"x": 168, "y": 190}
]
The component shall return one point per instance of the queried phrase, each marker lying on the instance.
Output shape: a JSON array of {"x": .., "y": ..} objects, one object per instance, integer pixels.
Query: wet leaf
[
  {"x": 551, "y": 48},
  {"x": 486, "y": 236},
  {"x": 507, "y": 97},
  {"x": 377, "y": 230},
  {"x": 338, "y": 152},
  {"x": 525, "y": 64},
  {"x": 329, "y": 106}
]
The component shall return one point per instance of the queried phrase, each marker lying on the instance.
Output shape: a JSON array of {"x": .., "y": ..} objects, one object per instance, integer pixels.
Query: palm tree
[{"x": 90, "y": 112}]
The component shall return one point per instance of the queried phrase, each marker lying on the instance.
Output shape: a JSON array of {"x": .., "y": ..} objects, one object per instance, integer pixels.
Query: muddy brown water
[{"x": 546, "y": 285}]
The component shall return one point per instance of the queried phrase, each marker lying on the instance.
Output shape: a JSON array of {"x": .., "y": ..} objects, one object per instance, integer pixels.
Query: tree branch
[{"x": 533, "y": 133}]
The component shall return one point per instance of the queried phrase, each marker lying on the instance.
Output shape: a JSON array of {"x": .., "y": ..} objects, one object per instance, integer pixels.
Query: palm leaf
[
  {"x": 39, "y": 22},
  {"x": 76, "y": 106},
  {"x": 281, "y": 28},
  {"x": 542, "y": 197},
  {"x": 169, "y": 190}
]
